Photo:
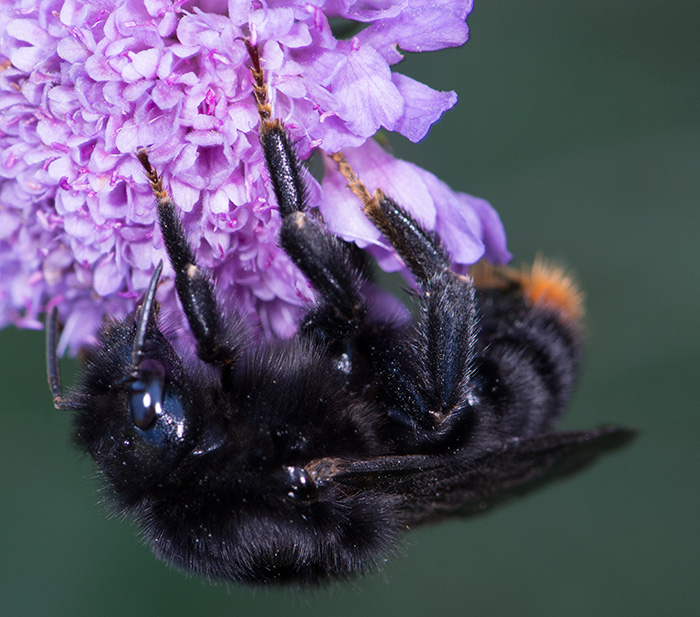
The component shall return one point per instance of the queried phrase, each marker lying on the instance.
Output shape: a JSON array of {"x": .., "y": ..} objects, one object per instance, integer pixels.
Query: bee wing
[{"x": 430, "y": 487}]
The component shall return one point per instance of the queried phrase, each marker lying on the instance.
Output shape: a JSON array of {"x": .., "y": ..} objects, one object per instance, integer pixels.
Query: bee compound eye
[
  {"x": 300, "y": 486},
  {"x": 146, "y": 394},
  {"x": 157, "y": 415}
]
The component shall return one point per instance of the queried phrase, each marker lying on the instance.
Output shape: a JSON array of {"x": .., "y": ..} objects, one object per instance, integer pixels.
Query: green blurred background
[{"x": 580, "y": 122}]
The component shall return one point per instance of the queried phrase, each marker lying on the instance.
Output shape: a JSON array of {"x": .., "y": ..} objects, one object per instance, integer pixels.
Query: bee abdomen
[{"x": 529, "y": 347}]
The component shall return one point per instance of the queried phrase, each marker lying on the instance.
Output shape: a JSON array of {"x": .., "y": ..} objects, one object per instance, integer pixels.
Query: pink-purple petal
[
  {"x": 423, "y": 107},
  {"x": 428, "y": 27},
  {"x": 364, "y": 83}
]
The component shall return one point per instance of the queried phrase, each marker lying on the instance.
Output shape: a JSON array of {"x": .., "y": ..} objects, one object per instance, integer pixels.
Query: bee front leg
[{"x": 218, "y": 339}]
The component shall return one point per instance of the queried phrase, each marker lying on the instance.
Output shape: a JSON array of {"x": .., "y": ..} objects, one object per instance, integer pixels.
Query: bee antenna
[
  {"x": 52, "y": 369},
  {"x": 147, "y": 308}
]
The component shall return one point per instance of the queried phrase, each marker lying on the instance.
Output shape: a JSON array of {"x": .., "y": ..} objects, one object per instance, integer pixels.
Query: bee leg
[
  {"x": 334, "y": 267},
  {"x": 218, "y": 340},
  {"x": 424, "y": 376},
  {"x": 420, "y": 250},
  {"x": 329, "y": 263}
]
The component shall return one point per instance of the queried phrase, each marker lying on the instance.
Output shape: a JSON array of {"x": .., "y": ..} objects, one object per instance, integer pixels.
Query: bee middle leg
[{"x": 335, "y": 268}]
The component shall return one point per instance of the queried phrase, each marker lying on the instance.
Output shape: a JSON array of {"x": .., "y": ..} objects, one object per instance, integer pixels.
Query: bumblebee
[{"x": 303, "y": 461}]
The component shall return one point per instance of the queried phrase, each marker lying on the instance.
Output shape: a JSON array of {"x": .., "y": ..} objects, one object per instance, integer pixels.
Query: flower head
[{"x": 83, "y": 85}]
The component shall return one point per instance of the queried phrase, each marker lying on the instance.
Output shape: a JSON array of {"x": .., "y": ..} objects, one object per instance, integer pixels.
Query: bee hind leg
[{"x": 424, "y": 374}]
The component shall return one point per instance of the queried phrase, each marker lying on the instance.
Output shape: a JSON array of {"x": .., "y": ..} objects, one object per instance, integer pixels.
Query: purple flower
[{"x": 84, "y": 84}]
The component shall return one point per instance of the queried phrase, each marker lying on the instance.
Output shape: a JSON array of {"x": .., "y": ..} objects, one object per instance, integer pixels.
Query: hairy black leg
[
  {"x": 330, "y": 264},
  {"x": 218, "y": 341},
  {"x": 421, "y": 251},
  {"x": 451, "y": 378},
  {"x": 424, "y": 375}
]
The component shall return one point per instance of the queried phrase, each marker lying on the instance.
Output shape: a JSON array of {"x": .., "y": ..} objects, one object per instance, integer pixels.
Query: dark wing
[{"x": 430, "y": 487}]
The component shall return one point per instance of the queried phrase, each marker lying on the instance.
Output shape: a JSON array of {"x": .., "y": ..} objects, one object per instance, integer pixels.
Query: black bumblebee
[{"x": 304, "y": 460}]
